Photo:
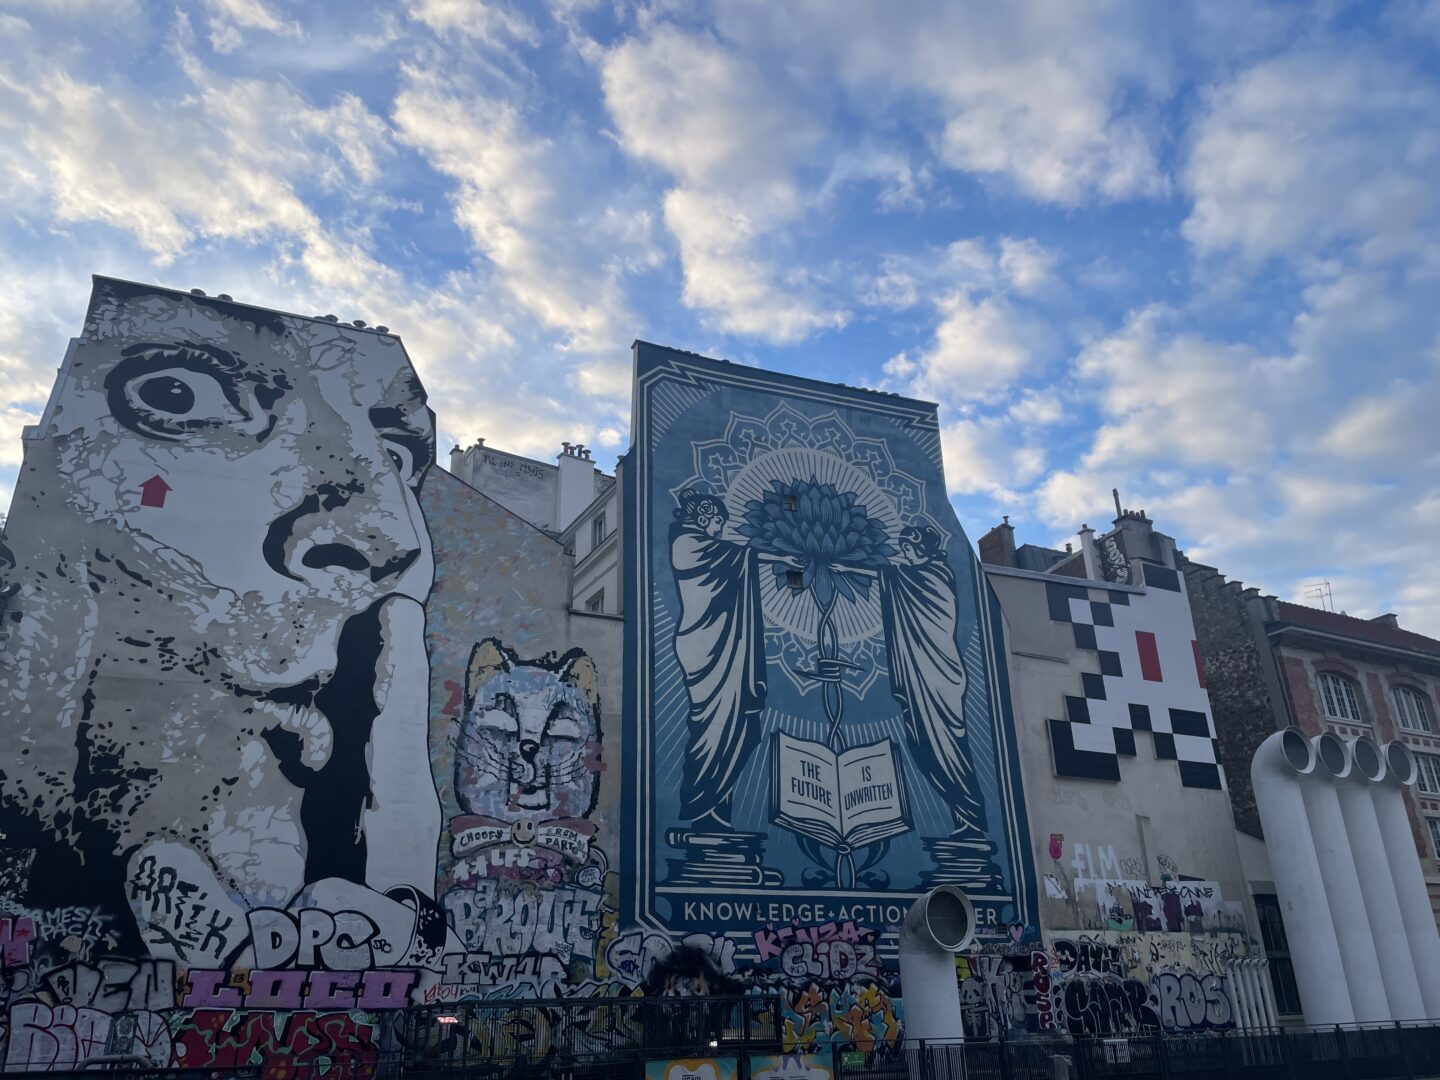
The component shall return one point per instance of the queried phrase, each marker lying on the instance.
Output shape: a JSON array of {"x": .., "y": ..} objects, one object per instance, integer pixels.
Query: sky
[{"x": 1190, "y": 251}]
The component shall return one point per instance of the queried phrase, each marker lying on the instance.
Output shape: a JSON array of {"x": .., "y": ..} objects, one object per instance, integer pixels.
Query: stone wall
[{"x": 1241, "y": 700}]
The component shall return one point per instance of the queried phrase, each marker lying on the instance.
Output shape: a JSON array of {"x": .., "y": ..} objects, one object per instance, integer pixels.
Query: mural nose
[{"x": 332, "y": 532}]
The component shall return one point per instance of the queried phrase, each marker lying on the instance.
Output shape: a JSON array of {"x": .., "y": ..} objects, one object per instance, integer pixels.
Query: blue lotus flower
[{"x": 820, "y": 532}]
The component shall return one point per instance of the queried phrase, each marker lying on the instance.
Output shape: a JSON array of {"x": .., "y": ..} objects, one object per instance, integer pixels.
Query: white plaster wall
[{"x": 1146, "y": 825}]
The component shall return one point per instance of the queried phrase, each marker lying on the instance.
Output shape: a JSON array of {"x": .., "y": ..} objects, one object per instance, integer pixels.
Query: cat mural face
[{"x": 528, "y": 748}]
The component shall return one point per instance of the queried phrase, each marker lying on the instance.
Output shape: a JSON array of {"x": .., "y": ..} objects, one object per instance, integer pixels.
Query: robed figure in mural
[
  {"x": 927, "y": 675},
  {"x": 720, "y": 643}
]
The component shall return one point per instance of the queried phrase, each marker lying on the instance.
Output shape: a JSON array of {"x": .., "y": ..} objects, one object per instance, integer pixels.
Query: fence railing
[
  {"x": 619, "y": 1038},
  {"x": 1388, "y": 1052}
]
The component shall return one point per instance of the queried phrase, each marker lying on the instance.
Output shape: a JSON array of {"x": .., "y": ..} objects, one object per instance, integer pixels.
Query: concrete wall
[
  {"x": 523, "y": 486},
  {"x": 1142, "y": 896},
  {"x": 597, "y": 567}
]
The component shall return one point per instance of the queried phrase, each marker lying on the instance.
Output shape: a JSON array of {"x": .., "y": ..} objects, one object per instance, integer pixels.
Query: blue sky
[{"x": 1190, "y": 251}]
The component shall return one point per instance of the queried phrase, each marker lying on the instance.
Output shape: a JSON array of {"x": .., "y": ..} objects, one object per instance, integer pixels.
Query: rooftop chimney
[
  {"x": 1389, "y": 619},
  {"x": 997, "y": 547},
  {"x": 575, "y": 485},
  {"x": 1091, "y": 556}
]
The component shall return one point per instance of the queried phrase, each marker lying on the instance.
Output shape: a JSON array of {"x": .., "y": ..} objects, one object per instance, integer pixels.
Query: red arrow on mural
[{"x": 153, "y": 491}]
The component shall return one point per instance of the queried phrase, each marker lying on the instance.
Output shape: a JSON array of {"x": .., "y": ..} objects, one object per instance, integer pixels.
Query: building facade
[
  {"x": 1288, "y": 664},
  {"x": 1143, "y": 894}
]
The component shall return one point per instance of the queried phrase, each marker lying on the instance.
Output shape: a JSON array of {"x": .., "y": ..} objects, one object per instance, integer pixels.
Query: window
[
  {"x": 1434, "y": 825},
  {"x": 1341, "y": 701},
  {"x": 792, "y": 503},
  {"x": 1410, "y": 706},
  {"x": 1277, "y": 953},
  {"x": 794, "y": 579},
  {"x": 597, "y": 530},
  {"x": 596, "y": 604},
  {"x": 1429, "y": 766}
]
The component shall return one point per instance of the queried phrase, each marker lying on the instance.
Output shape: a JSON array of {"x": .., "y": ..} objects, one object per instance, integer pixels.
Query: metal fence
[
  {"x": 475, "y": 1032},
  {"x": 615, "y": 1039},
  {"x": 1393, "y": 1052}
]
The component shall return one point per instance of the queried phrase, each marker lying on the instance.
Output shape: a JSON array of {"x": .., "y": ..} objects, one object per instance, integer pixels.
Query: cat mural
[
  {"x": 528, "y": 733},
  {"x": 526, "y": 878}
]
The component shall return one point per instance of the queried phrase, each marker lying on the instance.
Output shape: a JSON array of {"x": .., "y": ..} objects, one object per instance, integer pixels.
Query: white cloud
[
  {"x": 1393, "y": 430},
  {"x": 730, "y": 139},
  {"x": 1314, "y": 147},
  {"x": 724, "y": 276},
  {"x": 230, "y": 19},
  {"x": 983, "y": 343},
  {"x": 220, "y": 163},
  {"x": 1180, "y": 396},
  {"x": 986, "y": 456},
  {"x": 1044, "y": 96},
  {"x": 979, "y": 348},
  {"x": 1038, "y": 408},
  {"x": 1012, "y": 265},
  {"x": 1066, "y": 498},
  {"x": 1027, "y": 264},
  {"x": 512, "y": 202},
  {"x": 478, "y": 19}
]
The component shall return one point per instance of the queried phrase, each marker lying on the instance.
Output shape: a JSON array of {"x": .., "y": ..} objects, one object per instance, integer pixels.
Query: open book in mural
[{"x": 845, "y": 801}]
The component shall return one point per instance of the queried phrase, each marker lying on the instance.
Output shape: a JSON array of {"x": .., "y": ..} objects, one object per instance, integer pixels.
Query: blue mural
[{"x": 818, "y": 722}]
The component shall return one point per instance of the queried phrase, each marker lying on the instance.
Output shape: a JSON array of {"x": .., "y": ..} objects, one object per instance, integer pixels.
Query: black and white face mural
[{"x": 214, "y": 662}]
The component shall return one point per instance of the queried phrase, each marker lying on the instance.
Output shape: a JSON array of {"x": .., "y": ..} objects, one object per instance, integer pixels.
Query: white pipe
[
  {"x": 1240, "y": 993},
  {"x": 1275, "y": 772},
  {"x": 1415, "y": 912},
  {"x": 1242, "y": 978},
  {"x": 1267, "y": 994},
  {"x": 1237, "y": 1003},
  {"x": 1257, "y": 1020},
  {"x": 1342, "y": 881},
  {"x": 1257, "y": 983},
  {"x": 1247, "y": 1017},
  {"x": 1237, "y": 996},
  {"x": 1382, "y": 907},
  {"x": 938, "y": 925}
]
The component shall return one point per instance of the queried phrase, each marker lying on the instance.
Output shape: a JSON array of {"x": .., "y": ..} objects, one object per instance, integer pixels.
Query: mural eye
[
  {"x": 564, "y": 724},
  {"x": 167, "y": 394},
  {"x": 402, "y": 457},
  {"x": 176, "y": 400}
]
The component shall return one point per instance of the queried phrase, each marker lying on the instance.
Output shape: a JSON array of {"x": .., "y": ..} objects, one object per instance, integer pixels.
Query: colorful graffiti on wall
[
  {"x": 524, "y": 879},
  {"x": 817, "y": 721},
  {"x": 1103, "y": 983}
]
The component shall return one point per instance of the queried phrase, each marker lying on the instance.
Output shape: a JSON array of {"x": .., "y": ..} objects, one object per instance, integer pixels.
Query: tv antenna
[{"x": 1320, "y": 593}]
